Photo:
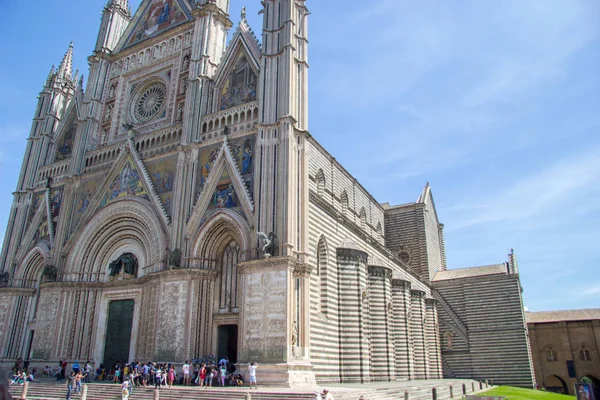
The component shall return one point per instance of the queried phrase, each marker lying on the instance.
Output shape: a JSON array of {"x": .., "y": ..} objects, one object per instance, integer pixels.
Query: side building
[{"x": 565, "y": 348}]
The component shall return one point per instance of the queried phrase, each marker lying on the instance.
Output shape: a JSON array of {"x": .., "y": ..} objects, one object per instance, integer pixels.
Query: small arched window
[
  {"x": 363, "y": 219},
  {"x": 551, "y": 355},
  {"x": 448, "y": 336},
  {"x": 324, "y": 274},
  {"x": 320, "y": 182},
  {"x": 584, "y": 354},
  {"x": 379, "y": 230},
  {"x": 344, "y": 201}
]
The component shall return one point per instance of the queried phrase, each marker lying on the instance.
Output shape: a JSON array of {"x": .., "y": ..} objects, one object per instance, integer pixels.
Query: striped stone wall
[
  {"x": 403, "y": 343},
  {"x": 355, "y": 326},
  {"x": 382, "y": 338},
  {"x": 491, "y": 309}
]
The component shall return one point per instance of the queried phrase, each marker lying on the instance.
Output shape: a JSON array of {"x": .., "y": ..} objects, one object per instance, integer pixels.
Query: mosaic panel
[
  {"x": 240, "y": 86},
  {"x": 162, "y": 175},
  {"x": 126, "y": 184},
  {"x": 158, "y": 16},
  {"x": 64, "y": 147}
]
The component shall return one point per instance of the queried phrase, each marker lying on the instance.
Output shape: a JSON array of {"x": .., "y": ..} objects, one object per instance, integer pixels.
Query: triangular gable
[
  {"x": 224, "y": 189},
  {"x": 127, "y": 179},
  {"x": 154, "y": 17},
  {"x": 65, "y": 137},
  {"x": 427, "y": 199},
  {"x": 243, "y": 43},
  {"x": 38, "y": 229}
]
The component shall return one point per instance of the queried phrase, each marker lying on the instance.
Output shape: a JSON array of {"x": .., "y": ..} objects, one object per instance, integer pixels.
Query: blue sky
[{"x": 496, "y": 104}]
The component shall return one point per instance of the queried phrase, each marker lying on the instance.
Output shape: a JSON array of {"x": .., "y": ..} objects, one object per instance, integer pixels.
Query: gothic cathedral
[{"x": 177, "y": 207}]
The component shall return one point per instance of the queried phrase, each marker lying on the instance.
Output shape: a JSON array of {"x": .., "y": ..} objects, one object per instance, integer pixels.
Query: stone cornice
[
  {"x": 303, "y": 270},
  {"x": 417, "y": 294},
  {"x": 431, "y": 302},
  {"x": 248, "y": 267},
  {"x": 380, "y": 271},
  {"x": 352, "y": 254},
  {"x": 401, "y": 283},
  {"x": 10, "y": 291},
  {"x": 173, "y": 274}
]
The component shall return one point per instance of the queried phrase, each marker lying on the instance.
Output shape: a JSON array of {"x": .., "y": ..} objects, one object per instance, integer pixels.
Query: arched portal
[
  {"x": 221, "y": 245},
  {"x": 556, "y": 384},
  {"x": 130, "y": 226}
]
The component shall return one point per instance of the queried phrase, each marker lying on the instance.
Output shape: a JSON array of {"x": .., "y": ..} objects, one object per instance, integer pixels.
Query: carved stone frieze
[{"x": 380, "y": 271}]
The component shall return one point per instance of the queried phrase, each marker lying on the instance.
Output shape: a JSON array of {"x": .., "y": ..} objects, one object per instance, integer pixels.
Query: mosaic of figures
[
  {"x": 240, "y": 86},
  {"x": 159, "y": 16},
  {"x": 242, "y": 150},
  {"x": 126, "y": 184},
  {"x": 55, "y": 203},
  {"x": 64, "y": 147},
  {"x": 163, "y": 177},
  {"x": 35, "y": 205}
]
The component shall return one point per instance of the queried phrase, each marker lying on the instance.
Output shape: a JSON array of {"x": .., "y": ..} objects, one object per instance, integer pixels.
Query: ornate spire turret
[
  {"x": 115, "y": 19},
  {"x": 65, "y": 70}
]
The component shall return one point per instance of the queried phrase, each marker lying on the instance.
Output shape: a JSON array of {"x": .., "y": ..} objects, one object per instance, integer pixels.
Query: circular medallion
[{"x": 149, "y": 102}]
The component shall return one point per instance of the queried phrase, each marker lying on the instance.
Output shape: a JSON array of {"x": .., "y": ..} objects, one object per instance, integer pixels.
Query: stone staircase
[{"x": 417, "y": 390}]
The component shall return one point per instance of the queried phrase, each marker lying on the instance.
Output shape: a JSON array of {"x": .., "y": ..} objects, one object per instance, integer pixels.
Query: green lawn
[{"x": 514, "y": 393}]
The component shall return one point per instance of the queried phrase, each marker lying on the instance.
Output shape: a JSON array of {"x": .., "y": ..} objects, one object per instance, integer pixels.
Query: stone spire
[
  {"x": 65, "y": 70},
  {"x": 124, "y": 4}
]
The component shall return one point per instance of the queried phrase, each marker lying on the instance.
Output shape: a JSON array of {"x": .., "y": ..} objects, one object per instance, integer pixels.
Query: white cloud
[{"x": 541, "y": 192}]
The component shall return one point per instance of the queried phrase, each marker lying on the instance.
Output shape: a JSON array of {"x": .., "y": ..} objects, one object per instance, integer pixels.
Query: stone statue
[
  {"x": 294, "y": 333},
  {"x": 50, "y": 273},
  {"x": 175, "y": 259},
  {"x": 268, "y": 243},
  {"x": 114, "y": 267},
  {"x": 4, "y": 278},
  {"x": 127, "y": 262},
  {"x": 180, "y": 112}
]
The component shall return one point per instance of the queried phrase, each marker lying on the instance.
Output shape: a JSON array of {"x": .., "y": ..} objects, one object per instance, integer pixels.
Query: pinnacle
[{"x": 65, "y": 69}]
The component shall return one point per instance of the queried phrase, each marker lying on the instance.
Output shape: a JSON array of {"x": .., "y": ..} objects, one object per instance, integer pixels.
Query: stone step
[{"x": 50, "y": 390}]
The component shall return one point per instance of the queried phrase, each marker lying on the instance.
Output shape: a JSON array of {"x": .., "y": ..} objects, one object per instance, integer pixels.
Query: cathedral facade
[{"x": 178, "y": 207}]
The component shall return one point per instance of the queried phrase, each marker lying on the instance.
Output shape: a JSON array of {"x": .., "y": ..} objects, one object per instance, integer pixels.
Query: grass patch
[{"x": 514, "y": 393}]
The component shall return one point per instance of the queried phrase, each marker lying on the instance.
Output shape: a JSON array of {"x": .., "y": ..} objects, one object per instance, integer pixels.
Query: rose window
[{"x": 149, "y": 102}]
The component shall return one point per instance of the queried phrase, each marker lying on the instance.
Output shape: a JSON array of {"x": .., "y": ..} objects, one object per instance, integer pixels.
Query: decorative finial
[{"x": 244, "y": 13}]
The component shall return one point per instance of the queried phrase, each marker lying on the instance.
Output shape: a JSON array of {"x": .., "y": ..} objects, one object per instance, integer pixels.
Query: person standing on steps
[
  {"x": 70, "y": 383},
  {"x": 186, "y": 373},
  {"x": 252, "y": 372}
]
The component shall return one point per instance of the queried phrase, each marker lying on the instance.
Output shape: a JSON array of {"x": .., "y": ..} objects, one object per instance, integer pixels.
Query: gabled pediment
[
  {"x": 152, "y": 18},
  {"x": 224, "y": 189},
  {"x": 39, "y": 226},
  {"x": 128, "y": 179},
  {"x": 237, "y": 76},
  {"x": 64, "y": 139}
]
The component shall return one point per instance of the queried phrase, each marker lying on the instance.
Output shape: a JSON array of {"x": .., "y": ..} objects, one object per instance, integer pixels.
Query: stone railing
[
  {"x": 20, "y": 284},
  {"x": 80, "y": 277},
  {"x": 104, "y": 155},
  {"x": 236, "y": 119},
  {"x": 159, "y": 142},
  {"x": 54, "y": 171}
]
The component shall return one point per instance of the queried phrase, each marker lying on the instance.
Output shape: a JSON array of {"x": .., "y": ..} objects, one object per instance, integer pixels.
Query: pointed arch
[
  {"x": 324, "y": 275},
  {"x": 584, "y": 353},
  {"x": 344, "y": 202},
  {"x": 320, "y": 177},
  {"x": 223, "y": 242},
  {"x": 363, "y": 219},
  {"x": 33, "y": 263}
]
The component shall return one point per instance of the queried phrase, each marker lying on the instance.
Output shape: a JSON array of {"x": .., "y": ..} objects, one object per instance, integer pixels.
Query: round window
[{"x": 149, "y": 102}]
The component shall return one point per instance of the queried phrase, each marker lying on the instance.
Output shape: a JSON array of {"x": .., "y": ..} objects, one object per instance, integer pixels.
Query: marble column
[
  {"x": 355, "y": 365},
  {"x": 382, "y": 340},
  {"x": 403, "y": 348}
]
